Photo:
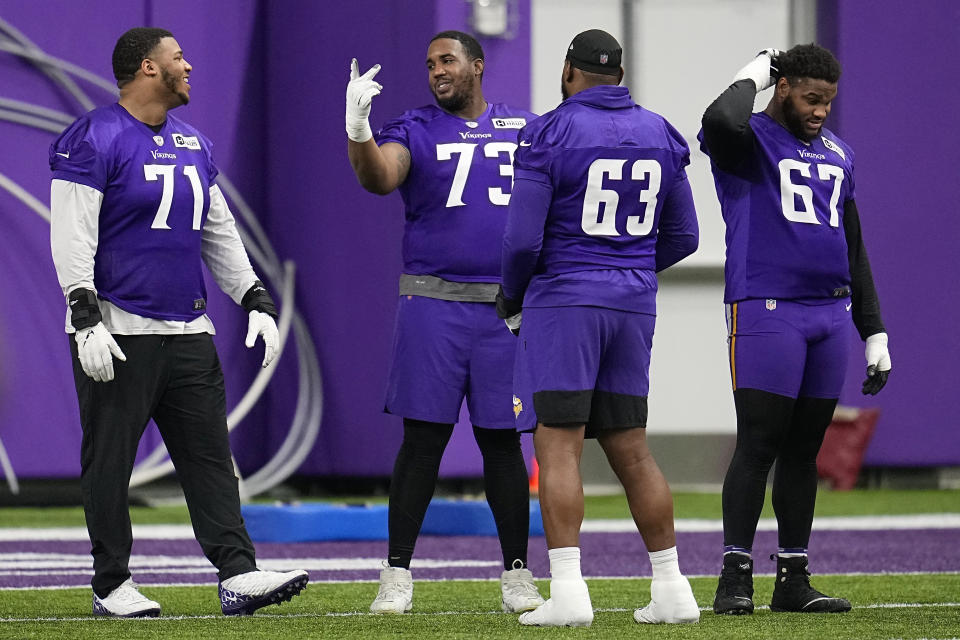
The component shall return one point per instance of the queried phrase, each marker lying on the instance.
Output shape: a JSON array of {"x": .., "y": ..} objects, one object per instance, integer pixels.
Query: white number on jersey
[
  {"x": 153, "y": 172},
  {"x": 596, "y": 224},
  {"x": 465, "y": 161},
  {"x": 789, "y": 191}
]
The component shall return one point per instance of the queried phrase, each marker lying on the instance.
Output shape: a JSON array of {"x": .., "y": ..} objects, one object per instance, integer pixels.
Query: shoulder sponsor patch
[
  {"x": 187, "y": 142},
  {"x": 509, "y": 123},
  {"x": 833, "y": 146}
]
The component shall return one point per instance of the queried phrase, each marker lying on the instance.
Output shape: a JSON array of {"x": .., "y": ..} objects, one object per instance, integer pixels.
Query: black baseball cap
[{"x": 595, "y": 51}]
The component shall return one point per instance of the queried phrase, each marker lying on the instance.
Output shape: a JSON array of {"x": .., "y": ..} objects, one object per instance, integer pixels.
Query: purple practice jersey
[
  {"x": 783, "y": 208},
  {"x": 156, "y": 196},
  {"x": 457, "y": 190},
  {"x": 609, "y": 177}
]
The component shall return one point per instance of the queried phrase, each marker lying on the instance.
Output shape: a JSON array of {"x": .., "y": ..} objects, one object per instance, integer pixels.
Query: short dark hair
[
  {"x": 131, "y": 49},
  {"x": 809, "y": 61},
  {"x": 470, "y": 44}
]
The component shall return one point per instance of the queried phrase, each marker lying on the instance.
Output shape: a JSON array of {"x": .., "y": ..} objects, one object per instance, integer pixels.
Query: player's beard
[
  {"x": 454, "y": 102},
  {"x": 794, "y": 122},
  {"x": 170, "y": 81}
]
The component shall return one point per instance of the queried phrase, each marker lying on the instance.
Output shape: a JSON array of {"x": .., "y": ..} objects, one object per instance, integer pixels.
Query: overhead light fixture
[{"x": 491, "y": 18}]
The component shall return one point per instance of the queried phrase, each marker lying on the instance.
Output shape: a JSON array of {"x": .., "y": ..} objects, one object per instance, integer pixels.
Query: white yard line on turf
[
  {"x": 350, "y": 614},
  {"x": 829, "y": 523}
]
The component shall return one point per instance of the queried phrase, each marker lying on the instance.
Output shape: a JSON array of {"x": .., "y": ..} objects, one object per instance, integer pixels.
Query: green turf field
[{"x": 885, "y": 606}]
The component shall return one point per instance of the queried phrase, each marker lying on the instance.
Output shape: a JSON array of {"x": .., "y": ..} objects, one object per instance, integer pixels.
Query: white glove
[
  {"x": 96, "y": 349},
  {"x": 513, "y": 323},
  {"x": 261, "y": 324},
  {"x": 360, "y": 92},
  {"x": 761, "y": 70},
  {"x": 878, "y": 364}
]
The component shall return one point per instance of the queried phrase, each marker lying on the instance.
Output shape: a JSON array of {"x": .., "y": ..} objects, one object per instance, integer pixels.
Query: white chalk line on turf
[
  {"x": 827, "y": 523},
  {"x": 316, "y": 581},
  {"x": 367, "y": 614}
]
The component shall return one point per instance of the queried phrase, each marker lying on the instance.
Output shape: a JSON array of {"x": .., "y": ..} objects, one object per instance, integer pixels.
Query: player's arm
[
  {"x": 223, "y": 252},
  {"x": 378, "y": 169},
  {"x": 522, "y": 242},
  {"x": 678, "y": 233},
  {"x": 865, "y": 304},
  {"x": 726, "y": 122},
  {"x": 74, "y": 234}
]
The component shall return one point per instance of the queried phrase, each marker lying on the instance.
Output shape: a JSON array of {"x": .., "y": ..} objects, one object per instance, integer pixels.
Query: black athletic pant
[
  {"x": 177, "y": 381},
  {"x": 774, "y": 427},
  {"x": 415, "y": 477}
]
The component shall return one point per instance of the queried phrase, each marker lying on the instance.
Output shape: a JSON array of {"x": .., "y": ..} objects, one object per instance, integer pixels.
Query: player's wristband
[
  {"x": 84, "y": 309},
  {"x": 257, "y": 298},
  {"x": 507, "y": 308}
]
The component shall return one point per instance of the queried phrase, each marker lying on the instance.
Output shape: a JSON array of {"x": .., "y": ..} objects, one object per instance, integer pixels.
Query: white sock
[
  {"x": 665, "y": 564},
  {"x": 565, "y": 563}
]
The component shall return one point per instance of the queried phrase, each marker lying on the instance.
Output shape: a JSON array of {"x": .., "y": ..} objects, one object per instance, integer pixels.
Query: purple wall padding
[
  {"x": 268, "y": 85},
  {"x": 897, "y": 107}
]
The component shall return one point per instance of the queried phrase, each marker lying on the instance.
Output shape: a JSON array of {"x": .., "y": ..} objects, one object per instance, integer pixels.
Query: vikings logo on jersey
[{"x": 517, "y": 407}]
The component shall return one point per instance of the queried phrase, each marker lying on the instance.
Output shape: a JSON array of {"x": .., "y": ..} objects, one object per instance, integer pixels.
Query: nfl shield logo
[
  {"x": 158, "y": 140},
  {"x": 771, "y": 304},
  {"x": 603, "y": 58}
]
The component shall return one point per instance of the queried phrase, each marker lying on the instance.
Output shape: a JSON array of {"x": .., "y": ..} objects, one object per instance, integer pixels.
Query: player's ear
[
  {"x": 148, "y": 67},
  {"x": 782, "y": 88},
  {"x": 478, "y": 67}
]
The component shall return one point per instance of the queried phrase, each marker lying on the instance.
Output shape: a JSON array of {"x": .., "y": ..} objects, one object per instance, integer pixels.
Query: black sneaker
[
  {"x": 792, "y": 591},
  {"x": 735, "y": 588}
]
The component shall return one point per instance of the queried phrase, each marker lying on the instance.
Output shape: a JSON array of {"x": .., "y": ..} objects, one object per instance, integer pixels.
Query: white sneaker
[
  {"x": 396, "y": 591},
  {"x": 125, "y": 602},
  {"x": 671, "y": 601},
  {"x": 243, "y": 594},
  {"x": 518, "y": 592},
  {"x": 569, "y": 606}
]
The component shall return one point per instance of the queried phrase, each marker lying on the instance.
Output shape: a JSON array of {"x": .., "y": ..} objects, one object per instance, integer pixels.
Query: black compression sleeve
[
  {"x": 257, "y": 298},
  {"x": 726, "y": 125},
  {"x": 84, "y": 309},
  {"x": 866, "y": 306}
]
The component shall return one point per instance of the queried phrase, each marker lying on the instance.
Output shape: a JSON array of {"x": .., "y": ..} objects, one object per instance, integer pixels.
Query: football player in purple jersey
[
  {"x": 601, "y": 203},
  {"x": 453, "y": 165},
  {"x": 796, "y": 273},
  {"x": 135, "y": 212}
]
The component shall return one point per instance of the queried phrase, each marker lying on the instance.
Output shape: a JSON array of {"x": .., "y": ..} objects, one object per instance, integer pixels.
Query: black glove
[
  {"x": 875, "y": 381},
  {"x": 511, "y": 311},
  {"x": 257, "y": 298}
]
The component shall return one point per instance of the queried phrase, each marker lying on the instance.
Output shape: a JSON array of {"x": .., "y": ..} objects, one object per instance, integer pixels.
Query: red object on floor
[{"x": 844, "y": 445}]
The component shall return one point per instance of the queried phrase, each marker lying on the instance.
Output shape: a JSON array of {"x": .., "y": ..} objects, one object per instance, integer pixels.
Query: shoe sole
[
  {"x": 743, "y": 608},
  {"x": 842, "y": 609},
  {"x": 283, "y": 593},
  {"x": 147, "y": 613},
  {"x": 507, "y": 609},
  {"x": 392, "y": 612}
]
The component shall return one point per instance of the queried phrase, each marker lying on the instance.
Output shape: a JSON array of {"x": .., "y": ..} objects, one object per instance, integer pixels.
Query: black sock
[
  {"x": 412, "y": 484},
  {"x": 508, "y": 491}
]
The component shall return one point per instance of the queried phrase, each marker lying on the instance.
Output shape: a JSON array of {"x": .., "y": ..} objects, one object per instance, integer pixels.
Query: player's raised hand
[
  {"x": 360, "y": 92},
  {"x": 878, "y": 364},
  {"x": 764, "y": 70},
  {"x": 96, "y": 350}
]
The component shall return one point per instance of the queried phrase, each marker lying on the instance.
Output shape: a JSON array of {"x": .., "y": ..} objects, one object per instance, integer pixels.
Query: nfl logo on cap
[
  {"x": 603, "y": 58},
  {"x": 771, "y": 304}
]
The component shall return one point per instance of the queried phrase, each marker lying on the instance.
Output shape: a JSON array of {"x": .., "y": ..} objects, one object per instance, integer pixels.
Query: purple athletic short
[
  {"x": 582, "y": 365},
  {"x": 789, "y": 347},
  {"x": 443, "y": 351}
]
